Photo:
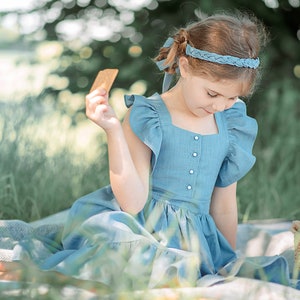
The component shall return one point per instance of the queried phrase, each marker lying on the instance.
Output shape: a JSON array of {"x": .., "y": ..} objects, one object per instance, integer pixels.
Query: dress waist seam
[{"x": 179, "y": 207}]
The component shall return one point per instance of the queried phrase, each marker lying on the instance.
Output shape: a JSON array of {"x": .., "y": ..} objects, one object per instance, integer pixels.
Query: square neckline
[{"x": 157, "y": 97}]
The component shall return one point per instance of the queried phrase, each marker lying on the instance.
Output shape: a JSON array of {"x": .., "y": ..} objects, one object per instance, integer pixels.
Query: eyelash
[
  {"x": 215, "y": 95},
  {"x": 212, "y": 96}
]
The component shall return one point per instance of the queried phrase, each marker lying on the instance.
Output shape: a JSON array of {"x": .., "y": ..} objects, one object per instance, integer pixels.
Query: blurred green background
[{"x": 50, "y": 53}]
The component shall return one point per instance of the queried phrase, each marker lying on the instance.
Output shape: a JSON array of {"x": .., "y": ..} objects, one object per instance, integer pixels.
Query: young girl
[{"x": 170, "y": 213}]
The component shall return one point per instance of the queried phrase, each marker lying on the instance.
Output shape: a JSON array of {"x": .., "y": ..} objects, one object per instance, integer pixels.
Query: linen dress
[{"x": 173, "y": 240}]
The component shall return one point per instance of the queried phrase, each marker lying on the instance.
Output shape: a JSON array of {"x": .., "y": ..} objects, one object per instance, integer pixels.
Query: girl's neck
[
  {"x": 174, "y": 99},
  {"x": 183, "y": 118}
]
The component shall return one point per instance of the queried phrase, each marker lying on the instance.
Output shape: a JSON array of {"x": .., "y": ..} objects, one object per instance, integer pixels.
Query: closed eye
[{"x": 212, "y": 95}]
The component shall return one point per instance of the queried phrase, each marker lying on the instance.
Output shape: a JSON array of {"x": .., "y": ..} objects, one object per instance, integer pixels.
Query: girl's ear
[{"x": 184, "y": 66}]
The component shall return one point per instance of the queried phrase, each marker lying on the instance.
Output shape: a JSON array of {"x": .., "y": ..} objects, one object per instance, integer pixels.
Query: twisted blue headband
[{"x": 252, "y": 63}]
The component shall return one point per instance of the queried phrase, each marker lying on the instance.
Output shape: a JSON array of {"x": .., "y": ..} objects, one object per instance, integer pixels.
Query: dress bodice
[{"x": 186, "y": 166}]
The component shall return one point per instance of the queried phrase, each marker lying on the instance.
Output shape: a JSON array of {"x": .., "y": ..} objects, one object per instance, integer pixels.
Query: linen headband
[{"x": 251, "y": 63}]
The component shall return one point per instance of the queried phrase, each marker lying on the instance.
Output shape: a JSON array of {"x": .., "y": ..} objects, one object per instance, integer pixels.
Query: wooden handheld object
[{"x": 105, "y": 79}]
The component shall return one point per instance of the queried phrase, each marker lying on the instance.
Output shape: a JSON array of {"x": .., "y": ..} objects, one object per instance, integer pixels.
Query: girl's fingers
[
  {"x": 98, "y": 109},
  {"x": 95, "y": 101},
  {"x": 96, "y": 98},
  {"x": 97, "y": 92}
]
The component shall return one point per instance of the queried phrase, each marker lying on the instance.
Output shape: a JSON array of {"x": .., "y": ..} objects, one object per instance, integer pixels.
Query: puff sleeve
[
  {"x": 242, "y": 132},
  {"x": 145, "y": 122}
]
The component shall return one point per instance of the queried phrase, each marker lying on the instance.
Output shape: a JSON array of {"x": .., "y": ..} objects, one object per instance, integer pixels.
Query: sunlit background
[{"x": 50, "y": 53}]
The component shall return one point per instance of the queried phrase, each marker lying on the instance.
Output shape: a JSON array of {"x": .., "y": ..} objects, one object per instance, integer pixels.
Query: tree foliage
[{"x": 99, "y": 34}]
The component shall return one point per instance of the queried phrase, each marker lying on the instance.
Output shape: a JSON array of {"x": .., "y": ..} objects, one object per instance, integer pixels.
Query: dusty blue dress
[{"x": 173, "y": 239}]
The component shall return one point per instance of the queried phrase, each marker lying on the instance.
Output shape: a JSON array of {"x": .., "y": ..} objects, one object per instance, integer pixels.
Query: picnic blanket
[{"x": 256, "y": 238}]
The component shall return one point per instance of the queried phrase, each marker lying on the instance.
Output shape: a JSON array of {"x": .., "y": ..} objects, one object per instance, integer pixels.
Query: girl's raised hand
[{"x": 99, "y": 111}]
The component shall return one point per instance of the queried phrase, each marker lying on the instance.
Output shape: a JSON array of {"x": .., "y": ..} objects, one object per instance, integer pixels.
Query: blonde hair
[{"x": 239, "y": 35}]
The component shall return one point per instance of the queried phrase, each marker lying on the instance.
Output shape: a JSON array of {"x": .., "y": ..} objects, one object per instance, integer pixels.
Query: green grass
[
  {"x": 271, "y": 189},
  {"x": 39, "y": 174}
]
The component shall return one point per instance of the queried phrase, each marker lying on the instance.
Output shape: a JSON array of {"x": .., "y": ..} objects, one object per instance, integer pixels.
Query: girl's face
[{"x": 204, "y": 97}]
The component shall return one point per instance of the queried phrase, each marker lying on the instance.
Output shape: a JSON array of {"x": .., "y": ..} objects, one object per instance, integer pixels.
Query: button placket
[{"x": 194, "y": 155}]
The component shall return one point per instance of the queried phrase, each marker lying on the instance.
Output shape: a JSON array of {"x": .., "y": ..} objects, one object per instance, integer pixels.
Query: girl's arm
[
  {"x": 129, "y": 158},
  {"x": 223, "y": 209},
  {"x": 129, "y": 167}
]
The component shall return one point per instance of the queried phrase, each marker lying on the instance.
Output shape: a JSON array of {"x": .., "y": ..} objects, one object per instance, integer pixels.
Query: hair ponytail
[{"x": 172, "y": 53}]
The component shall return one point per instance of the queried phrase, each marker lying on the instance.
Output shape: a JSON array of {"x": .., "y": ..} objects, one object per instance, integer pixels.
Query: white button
[
  {"x": 191, "y": 171},
  {"x": 189, "y": 187},
  {"x": 196, "y": 137},
  {"x": 195, "y": 154}
]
